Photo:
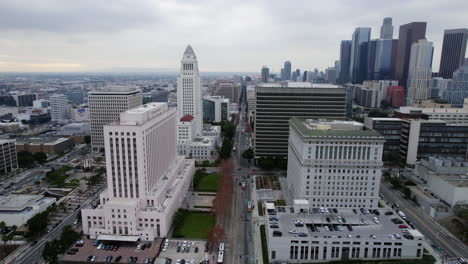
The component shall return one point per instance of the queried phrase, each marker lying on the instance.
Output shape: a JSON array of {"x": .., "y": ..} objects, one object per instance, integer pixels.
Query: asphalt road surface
[
  {"x": 433, "y": 232},
  {"x": 238, "y": 227}
]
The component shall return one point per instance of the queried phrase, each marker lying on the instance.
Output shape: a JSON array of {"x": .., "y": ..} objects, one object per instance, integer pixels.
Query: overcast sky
[{"x": 101, "y": 35}]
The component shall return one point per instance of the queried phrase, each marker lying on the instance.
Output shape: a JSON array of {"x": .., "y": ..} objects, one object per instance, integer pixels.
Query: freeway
[
  {"x": 16, "y": 182},
  {"x": 433, "y": 232}
]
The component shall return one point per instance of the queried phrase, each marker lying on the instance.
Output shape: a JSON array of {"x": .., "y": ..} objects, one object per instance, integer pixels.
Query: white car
[
  {"x": 165, "y": 248},
  {"x": 326, "y": 228},
  {"x": 292, "y": 231},
  {"x": 100, "y": 246}
]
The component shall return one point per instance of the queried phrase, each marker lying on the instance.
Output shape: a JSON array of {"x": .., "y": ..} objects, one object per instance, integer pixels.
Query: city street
[
  {"x": 239, "y": 230},
  {"x": 435, "y": 234}
]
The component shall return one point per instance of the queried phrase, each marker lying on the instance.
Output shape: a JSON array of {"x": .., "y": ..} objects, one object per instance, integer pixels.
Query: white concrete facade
[
  {"x": 445, "y": 177},
  {"x": 147, "y": 181},
  {"x": 334, "y": 163},
  {"x": 189, "y": 94},
  {"x": 105, "y": 107},
  {"x": 366, "y": 239},
  {"x": 17, "y": 209},
  {"x": 200, "y": 149},
  {"x": 451, "y": 115},
  {"x": 59, "y": 108}
]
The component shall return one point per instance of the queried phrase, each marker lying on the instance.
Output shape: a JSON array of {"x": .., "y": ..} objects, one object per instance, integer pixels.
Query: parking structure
[
  {"x": 112, "y": 252},
  {"x": 182, "y": 251}
]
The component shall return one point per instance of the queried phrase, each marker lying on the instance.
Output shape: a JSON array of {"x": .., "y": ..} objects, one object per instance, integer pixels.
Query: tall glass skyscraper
[
  {"x": 457, "y": 88},
  {"x": 287, "y": 70},
  {"x": 359, "y": 50},
  {"x": 386, "y": 30},
  {"x": 453, "y": 51},
  {"x": 383, "y": 59},
  {"x": 345, "y": 59}
]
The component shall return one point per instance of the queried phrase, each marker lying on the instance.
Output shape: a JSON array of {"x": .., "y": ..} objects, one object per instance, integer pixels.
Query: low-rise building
[
  {"x": 48, "y": 145},
  {"x": 421, "y": 138},
  {"x": 390, "y": 128},
  {"x": 8, "y": 157},
  {"x": 198, "y": 148},
  {"x": 17, "y": 209},
  {"x": 301, "y": 234},
  {"x": 447, "y": 178},
  {"x": 443, "y": 112},
  {"x": 215, "y": 108}
]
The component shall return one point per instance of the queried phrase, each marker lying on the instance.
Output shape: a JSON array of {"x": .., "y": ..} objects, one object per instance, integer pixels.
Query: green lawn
[
  {"x": 208, "y": 183},
  {"x": 195, "y": 225}
]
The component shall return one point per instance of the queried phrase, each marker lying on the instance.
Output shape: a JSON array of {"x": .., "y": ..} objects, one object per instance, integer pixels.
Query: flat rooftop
[
  {"x": 41, "y": 140},
  {"x": 143, "y": 113},
  {"x": 323, "y": 128},
  {"x": 19, "y": 202},
  {"x": 363, "y": 225},
  {"x": 455, "y": 180},
  {"x": 117, "y": 90},
  {"x": 299, "y": 85}
]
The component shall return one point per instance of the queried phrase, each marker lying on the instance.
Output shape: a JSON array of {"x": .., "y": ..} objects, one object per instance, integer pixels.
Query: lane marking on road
[{"x": 422, "y": 222}]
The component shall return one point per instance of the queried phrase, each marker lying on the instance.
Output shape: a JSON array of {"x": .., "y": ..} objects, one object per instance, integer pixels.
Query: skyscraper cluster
[{"x": 407, "y": 59}]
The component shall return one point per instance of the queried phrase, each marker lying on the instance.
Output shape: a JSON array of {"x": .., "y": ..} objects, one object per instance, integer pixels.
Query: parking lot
[
  {"x": 191, "y": 251},
  {"x": 125, "y": 250}
]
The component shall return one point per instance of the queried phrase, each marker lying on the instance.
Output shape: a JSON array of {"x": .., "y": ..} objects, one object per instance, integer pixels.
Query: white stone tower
[{"x": 189, "y": 94}]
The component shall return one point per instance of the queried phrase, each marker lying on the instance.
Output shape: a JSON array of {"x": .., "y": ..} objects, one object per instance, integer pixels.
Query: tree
[
  {"x": 394, "y": 158},
  {"x": 40, "y": 157},
  {"x": 377, "y": 113},
  {"x": 215, "y": 236},
  {"x": 248, "y": 154},
  {"x": 6, "y": 238},
  {"x": 68, "y": 237},
  {"x": 87, "y": 139},
  {"x": 93, "y": 180},
  {"x": 25, "y": 159},
  {"x": 228, "y": 129},
  {"x": 266, "y": 163},
  {"x": 395, "y": 183},
  {"x": 406, "y": 192},
  {"x": 2, "y": 226},
  {"x": 226, "y": 148},
  {"x": 461, "y": 211},
  {"x": 50, "y": 252},
  {"x": 385, "y": 104},
  {"x": 222, "y": 202},
  {"x": 179, "y": 218}
]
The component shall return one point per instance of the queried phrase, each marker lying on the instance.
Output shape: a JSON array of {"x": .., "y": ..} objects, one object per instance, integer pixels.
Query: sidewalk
[{"x": 256, "y": 222}]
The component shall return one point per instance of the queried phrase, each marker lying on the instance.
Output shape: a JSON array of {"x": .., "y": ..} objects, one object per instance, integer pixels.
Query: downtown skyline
[{"x": 231, "y": 37}]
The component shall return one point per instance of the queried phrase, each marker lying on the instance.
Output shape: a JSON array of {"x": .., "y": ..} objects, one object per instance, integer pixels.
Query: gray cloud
[
  {"x": 75, "y": 16},
  {"x": 226, "y": 35}
]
